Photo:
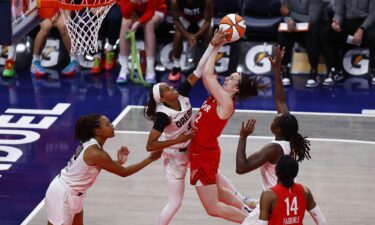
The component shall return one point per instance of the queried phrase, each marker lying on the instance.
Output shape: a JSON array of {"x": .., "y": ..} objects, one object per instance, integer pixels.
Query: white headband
[{"x": 156, "y": 92}]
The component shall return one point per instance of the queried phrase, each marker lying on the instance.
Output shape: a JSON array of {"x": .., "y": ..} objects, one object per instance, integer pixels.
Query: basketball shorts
[
  {"x": 204, "y": 164},
  {"x": 62, "y": 203},
  {"x": 175, "y": 162},
  {"x": 186, "y": 23}
]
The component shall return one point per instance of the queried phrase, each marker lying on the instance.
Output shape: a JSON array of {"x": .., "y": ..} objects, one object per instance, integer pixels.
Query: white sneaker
[
  {"x": 286, "y": 81},
  {"x": 123, "y": 76},
  {"x": 150, "y": 78}
]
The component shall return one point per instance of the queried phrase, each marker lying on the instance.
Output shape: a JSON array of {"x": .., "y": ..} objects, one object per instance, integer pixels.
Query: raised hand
[
  {"x": 122, "y": 154},
  {"x": 219, "y": 37},
  {"x": 276, "y": 60},
  {"x": 247, "y": 128}
]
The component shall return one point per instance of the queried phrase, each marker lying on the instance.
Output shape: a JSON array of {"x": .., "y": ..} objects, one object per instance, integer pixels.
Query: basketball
[{"x": 234, "y": 26}]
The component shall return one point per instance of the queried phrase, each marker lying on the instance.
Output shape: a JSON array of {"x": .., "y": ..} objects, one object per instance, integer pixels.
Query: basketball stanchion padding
[{"x": 82, "y": 19}]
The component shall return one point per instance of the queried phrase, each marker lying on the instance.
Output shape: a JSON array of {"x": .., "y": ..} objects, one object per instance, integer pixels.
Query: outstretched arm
[
  {"x": 268, "y": 153},
  {"x": 280, "y": 99},
  {"x": 98, "y": 157},
  {"x": 153, "y": 143},
  {"x": 194, "y": 77}
]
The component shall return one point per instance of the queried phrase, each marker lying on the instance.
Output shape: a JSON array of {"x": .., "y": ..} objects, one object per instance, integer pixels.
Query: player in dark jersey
[
  {"x": 192, "y": 20},
  {"x": 287, "y": 202}
]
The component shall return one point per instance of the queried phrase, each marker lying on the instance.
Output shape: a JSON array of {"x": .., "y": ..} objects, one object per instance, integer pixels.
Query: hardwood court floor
[{"x": 340, "y": 173}]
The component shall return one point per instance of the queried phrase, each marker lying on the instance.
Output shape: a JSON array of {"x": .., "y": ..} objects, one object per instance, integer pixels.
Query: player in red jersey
[
  {"x": 204, "y": 151},
  {"x": 287, "y": 202}
]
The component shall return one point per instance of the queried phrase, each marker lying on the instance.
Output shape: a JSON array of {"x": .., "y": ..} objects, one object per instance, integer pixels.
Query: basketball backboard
[{"x": 18, "y": 17}]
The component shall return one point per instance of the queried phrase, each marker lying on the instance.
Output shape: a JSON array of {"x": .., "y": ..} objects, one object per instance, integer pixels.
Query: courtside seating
[{"x": 262, "y": 18}]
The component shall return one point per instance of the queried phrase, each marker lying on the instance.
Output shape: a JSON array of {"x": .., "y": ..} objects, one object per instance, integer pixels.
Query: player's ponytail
[
  {"x": 249, "y": 86},
  {"x": 150, "y": 110}
]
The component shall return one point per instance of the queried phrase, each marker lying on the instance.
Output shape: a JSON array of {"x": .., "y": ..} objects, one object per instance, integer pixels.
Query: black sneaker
[
  {"x": 372, "y": 73},
  {"x": 333, "y": 77},
  {"x": 312, "y": 81}
]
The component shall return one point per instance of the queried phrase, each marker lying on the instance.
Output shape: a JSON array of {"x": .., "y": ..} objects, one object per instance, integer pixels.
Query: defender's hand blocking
[
  {"x": 122, "y": 155},
  {"x": 247, "y": 128},
  {"x": 276, "y": 60}
]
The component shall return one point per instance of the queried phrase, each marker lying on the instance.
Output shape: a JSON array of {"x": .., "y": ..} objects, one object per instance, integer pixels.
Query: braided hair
[
  {"x": 299, "y": 145},
  {"x": 286, "y": 170},
  {"x": 85, "y": 127}
]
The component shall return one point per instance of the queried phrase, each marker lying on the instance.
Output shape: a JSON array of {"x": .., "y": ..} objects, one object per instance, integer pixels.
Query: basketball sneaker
[
  {"x": 123, "y": 76},
  {"x": 9, "y": 68},
  {"x": 333, "y": 77},
  {"x": 71, "y": 69},
  {"x": 96, "y": 66},
  {"x": 150, "y": 78},
  {"x": 109, "y": 61},
  {"x": 37, "y": 69},
  {"x": 175, "y": 74},
  {"x": 312, "y": 81}
]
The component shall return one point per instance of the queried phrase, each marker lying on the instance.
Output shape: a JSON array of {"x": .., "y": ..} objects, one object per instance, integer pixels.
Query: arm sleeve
[
  {"x": 318, "y": 216},
  {"x": 150, "y": 11},
  {"x": 185, "y": 88},
  {"x": 370, "y": 19},
  {"x": 161, "y": 122},
  {"x": 127, "y": 9}
]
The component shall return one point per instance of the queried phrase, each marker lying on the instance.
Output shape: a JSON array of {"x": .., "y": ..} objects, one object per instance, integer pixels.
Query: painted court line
[
  {"x": 266, "y": 137},
  {"x": 365, "y": 113}
]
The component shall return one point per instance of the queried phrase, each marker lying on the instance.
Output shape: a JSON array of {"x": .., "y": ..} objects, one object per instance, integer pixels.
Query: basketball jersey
[
  {"x": 290, "y": 207},
  {"x": 194, "y": 11},
  {"x": 207, "y": 125},
  {"x": 77, "y": 174},
  {"x": 267, "y": 170},
  {"x": 181, "y": 121}
]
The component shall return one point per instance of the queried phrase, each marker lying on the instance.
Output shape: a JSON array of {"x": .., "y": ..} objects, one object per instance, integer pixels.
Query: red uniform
[
  {"x": 204, "y": 150},
  {"x": 291, "y": 205},
  {"x": 145, "y": 9}
]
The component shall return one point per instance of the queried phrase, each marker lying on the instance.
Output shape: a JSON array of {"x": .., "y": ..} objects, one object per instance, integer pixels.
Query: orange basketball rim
[{"x": 48, "y": 8}]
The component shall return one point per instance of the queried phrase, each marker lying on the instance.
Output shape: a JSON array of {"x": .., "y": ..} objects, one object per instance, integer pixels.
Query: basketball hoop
[{"x": 82, "y": 19}]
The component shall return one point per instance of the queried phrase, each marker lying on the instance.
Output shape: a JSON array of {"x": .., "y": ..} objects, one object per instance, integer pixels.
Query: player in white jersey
[
  {"x": 287, "y": 139},
  {"x": 65, "y": 194},
  {"x": 171, "y": 112}
]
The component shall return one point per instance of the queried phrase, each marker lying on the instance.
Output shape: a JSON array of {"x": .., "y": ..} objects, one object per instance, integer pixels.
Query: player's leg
[
  {"x": 114, "y": 19},
  {"x": 73, "y": 67},
  {"x": 176, "y": 189},
  {"x": 209, "y": 196},
  {"x": 124, "y": 51},
  {"x": 150, "y": 45},
  {"x": 9, "y": 70},
  {"x": 78, "y": 219},
  {"x": 40, "y": 40}
]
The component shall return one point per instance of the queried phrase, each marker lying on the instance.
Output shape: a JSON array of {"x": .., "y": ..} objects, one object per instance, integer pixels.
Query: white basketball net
[{"x": 83, "y": 25}]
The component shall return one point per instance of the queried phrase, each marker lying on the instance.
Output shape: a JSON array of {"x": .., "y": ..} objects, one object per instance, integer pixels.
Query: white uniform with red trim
[{"x": 175, "y": 158}]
